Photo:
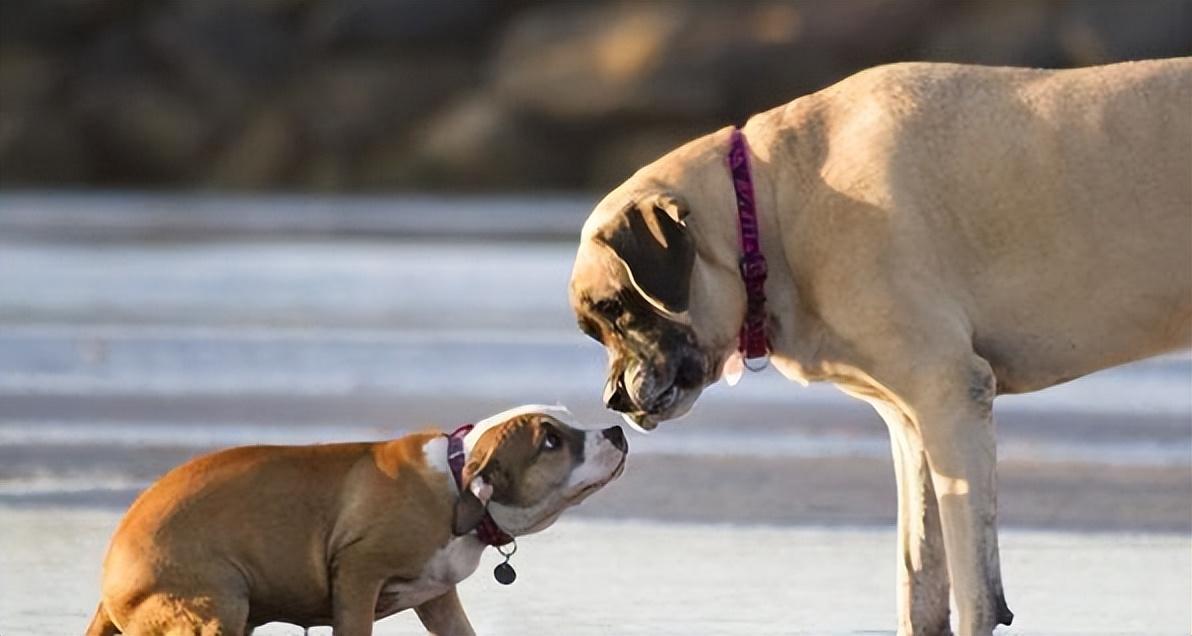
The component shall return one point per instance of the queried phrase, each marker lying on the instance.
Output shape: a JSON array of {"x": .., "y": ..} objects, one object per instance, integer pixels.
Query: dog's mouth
[
  {"x": 687, "y": 381},
  {"x": 672, "y": 403}
]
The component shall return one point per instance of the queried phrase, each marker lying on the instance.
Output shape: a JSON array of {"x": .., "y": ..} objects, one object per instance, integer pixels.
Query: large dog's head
[{"x": 655, "y": 281}]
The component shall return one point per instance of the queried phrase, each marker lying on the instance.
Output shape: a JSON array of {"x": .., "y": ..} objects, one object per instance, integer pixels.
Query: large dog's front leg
[
  {"x": 952, "y": 411},
  {"x": 922, "y": 566}
]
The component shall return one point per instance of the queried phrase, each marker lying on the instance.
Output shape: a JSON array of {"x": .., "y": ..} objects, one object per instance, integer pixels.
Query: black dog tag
[{"x": 504, "y": 574}]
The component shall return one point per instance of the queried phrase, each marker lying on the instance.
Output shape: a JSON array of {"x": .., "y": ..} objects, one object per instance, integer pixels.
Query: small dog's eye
[{"x": 551, "y": 441}]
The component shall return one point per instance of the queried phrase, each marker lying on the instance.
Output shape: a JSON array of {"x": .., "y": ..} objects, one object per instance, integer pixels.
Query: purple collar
[
  {"x": 753, "y": 342},
  {"x": 488, "y": 531}
]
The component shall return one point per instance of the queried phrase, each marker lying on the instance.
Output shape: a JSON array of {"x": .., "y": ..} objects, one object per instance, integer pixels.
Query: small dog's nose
[
  {"x": 617, "y": 437},
  {"x": 615, "y": 397}
]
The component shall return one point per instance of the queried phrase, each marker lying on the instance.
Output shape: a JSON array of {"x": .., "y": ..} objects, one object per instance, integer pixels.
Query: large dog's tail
[{"x": 101, "y": 623}]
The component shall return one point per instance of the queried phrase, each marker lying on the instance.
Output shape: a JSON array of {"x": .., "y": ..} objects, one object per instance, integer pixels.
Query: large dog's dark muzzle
[{"x": 648, "y": 391}]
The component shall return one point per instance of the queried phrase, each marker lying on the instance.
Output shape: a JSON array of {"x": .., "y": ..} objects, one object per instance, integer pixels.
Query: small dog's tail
[{"x": 101, "y": 623}]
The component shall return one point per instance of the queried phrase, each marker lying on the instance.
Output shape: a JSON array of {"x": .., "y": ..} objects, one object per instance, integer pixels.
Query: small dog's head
[{"x": 527, "y": 465}]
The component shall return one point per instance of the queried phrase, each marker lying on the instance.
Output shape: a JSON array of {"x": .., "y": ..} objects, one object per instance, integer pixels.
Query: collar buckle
[
  {"x": 753, "y": 267},
  {"x": 488, "y": 531}
]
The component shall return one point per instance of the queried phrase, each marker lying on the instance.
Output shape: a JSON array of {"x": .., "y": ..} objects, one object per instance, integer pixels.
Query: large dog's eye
[
  {"x": 609, "y": 308},
  {"x": 551, "y": 441}
]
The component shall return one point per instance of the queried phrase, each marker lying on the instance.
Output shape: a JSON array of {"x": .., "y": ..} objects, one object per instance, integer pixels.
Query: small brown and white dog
[{"x": 343, "y": 534}]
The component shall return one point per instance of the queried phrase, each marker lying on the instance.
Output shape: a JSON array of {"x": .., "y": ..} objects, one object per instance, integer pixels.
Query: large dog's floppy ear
[{"x": 652, "y": 241}]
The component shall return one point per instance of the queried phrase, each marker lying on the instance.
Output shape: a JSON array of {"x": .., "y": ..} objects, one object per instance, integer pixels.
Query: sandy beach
[
  {"x": 769, "y": 509},
  {"x": 597, "y": 577}
]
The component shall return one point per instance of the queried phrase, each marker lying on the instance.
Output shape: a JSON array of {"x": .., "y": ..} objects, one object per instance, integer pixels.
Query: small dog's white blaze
[
  {"x": 448, "y": 566},
  {"x": 601, "y": 458},
  {"x": 558, "y": 412}
]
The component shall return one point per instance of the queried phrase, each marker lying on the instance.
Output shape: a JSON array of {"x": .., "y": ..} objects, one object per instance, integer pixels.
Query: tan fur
[
  {"x": 312, "y": 535},
  {"x": 936, "y": 235}
]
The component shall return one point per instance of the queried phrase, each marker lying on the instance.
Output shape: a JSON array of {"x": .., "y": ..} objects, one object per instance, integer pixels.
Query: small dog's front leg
[{"x": 444, "y": 615}]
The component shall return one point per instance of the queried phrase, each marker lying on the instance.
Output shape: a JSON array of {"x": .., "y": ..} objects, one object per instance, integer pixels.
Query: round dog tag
[{"x": 504, "y": 574}]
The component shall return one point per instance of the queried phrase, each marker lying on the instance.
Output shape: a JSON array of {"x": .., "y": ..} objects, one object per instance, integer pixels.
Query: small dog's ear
[
  {"x": 652, "y": 242},
  {"x": 469, "y": 510}
]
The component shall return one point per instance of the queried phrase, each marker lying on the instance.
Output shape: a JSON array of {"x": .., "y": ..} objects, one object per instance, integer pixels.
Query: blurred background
[
  {"x": 298, "y": 221},
  {"x": 385, "y": 95}
]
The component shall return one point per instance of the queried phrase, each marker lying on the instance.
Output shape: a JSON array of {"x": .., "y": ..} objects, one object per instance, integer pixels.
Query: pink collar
[
  {"x": 488, "y": 531},
  {"x": 753, "y": 342}
]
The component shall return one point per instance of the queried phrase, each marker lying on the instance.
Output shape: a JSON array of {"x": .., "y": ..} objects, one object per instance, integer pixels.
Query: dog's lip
[
  {"x": 645, "y": 420},
  {"x": 639, "y": 421}
]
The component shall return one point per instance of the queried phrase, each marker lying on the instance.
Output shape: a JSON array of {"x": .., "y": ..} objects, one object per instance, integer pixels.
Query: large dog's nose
[
  {"x": 615, "y": 435},
  {"x": 616, "y": 397}
]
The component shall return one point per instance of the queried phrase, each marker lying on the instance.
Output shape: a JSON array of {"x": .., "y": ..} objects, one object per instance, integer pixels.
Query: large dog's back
[{"x": 1057, "y": 204}]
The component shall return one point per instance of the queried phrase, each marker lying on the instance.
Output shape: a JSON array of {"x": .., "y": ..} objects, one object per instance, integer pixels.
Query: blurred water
[
  {"x": 335, "y": 316},
  {"x": 110, "y": 337}
]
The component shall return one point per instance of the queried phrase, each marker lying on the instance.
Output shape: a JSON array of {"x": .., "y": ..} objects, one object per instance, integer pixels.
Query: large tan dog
[
  {"x": 341, "y": 534},
  {"x": 936, "y": 235}
]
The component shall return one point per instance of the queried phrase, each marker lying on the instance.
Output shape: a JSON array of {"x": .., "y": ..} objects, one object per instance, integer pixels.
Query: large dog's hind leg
[{"x": 922, "y": 565}]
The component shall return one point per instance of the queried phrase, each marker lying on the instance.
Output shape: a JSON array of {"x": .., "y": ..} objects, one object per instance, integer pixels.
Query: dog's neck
[
  {"x": 794, "y": 333},
  {"x": 487, "y": 531}
]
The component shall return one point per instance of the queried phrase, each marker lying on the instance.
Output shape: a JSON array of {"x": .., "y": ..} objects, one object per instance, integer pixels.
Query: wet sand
[
  {"x": 592, "y": 578},
  {"x": 699, "y": 488}
]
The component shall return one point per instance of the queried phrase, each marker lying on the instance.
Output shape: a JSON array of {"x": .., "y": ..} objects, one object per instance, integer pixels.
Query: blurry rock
[
  {"x": 594, "y": 60},
  {"x": 480, "y": 94},
  {"x": 142, "y": 132},
  {"x": 220, "y": 52},
  {"x": 326, "y": 170},
  {"x": 346, "y": 103},
  {"x": 55, "y": 21},
  {"x": 41, "y": 148},
  {"x": 478, "y": 144},
  {"x": 617, "y": 159},
  {"x": 27, "y": 77},
  {"x": 1103, "y": 32},
  {"x": 998, "y": 33},
  {"x": 652, "y": 60},
  {"x": 261, "y": 155},
  {"x": 400, "y": 23}
]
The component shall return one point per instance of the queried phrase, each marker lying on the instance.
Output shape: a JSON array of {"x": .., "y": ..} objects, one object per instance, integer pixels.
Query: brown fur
[{"x": 311, "y": 535}]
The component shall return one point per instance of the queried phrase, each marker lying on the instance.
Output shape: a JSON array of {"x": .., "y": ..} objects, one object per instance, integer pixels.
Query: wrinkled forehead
[
  {"x": 559, "y": 413},
  {"x": 598, "y": 273}
]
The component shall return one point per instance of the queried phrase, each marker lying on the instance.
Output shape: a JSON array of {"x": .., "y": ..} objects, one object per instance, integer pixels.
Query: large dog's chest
[{"x": 450, "y": 564}]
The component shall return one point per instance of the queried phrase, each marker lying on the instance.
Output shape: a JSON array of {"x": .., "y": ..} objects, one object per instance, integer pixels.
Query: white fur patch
[
  {"x": 601, "y": 458},
  {"x": 558, "y": 412},
  {"x": 448, "y": 566}
]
